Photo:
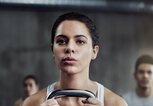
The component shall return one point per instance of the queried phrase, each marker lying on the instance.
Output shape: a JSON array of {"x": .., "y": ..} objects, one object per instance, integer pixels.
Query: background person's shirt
[{"x": 133, "y": 99}]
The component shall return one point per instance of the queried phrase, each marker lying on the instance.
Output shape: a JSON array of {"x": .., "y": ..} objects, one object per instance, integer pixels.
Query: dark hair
[
  {"x": 143, "y": 59},
  {"x": 78, "y": 17},
  {"x": 30, "y": 77}
]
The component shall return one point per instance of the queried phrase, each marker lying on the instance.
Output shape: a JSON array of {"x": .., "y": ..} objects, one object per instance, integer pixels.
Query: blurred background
[{"x": 125, "y": 28}]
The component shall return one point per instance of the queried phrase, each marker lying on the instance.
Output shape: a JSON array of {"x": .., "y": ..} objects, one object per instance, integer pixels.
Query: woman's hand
[
  {"x": 92, "y": 102},
  {"x": 88, "y": 102},
  {"x": 50, "y": 102}
]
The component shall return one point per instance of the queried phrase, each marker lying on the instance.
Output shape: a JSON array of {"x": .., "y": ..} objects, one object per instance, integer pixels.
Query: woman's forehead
[{"x": 72, "y": 27}]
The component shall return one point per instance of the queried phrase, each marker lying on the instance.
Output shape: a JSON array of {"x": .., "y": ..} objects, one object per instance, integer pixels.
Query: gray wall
[{"x": 25, "y": 48}]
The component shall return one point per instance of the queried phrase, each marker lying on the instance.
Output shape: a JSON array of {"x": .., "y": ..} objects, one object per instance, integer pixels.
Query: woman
[{"x": 74, "y": 45}]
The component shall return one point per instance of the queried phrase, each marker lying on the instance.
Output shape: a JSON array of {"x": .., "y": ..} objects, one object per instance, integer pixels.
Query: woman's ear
[{"x": 95, "y": 52}]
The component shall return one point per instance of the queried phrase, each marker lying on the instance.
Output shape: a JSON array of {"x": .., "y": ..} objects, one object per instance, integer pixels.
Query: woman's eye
[
  {"x": 61, "y": 41},
  {"x": 81, "y": 42}
]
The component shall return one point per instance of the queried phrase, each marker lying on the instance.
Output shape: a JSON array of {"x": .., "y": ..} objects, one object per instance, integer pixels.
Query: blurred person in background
[
  {"x": 30, "y": 86},
  {"x": 143, "y": 74}
]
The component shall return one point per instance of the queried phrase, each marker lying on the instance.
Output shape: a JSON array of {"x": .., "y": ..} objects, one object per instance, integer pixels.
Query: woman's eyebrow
[
  {"x": 61, "y": 36},
  {"x": 78, "y": 36}
]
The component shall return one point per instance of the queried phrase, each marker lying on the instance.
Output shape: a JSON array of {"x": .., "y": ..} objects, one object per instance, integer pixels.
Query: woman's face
[{"x": 72, "y": 47}]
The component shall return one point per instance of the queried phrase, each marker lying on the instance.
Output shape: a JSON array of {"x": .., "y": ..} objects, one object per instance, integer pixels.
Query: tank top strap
[
  {"x": 50, "y": 89},
  {"x": 100, "y": 92}
]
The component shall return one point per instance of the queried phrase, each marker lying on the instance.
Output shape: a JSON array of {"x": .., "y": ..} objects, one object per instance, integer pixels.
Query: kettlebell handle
[{"x": 71, "y": 93}]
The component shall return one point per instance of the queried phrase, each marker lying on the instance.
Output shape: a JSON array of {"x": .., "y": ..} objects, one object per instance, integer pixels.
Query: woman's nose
[{"x": 70, "y": 48}]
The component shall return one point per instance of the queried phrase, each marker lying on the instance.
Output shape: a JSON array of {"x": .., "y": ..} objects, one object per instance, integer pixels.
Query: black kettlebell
[{"x": 71, "y": 93}]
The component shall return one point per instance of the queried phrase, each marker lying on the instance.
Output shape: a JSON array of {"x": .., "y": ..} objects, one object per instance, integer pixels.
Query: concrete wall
[{"x": 25, "y": 48}]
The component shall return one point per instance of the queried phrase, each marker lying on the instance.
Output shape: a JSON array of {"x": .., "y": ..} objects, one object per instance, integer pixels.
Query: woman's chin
[{"x": 69, "y": 70}]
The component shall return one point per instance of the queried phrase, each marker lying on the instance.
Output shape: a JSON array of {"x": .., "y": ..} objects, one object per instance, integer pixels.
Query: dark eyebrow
[
  {"x": 60, "y": 36},
  {"x": 78, "y": 36}
]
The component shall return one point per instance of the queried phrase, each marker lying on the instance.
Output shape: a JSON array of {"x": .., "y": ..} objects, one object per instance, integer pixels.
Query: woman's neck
[{"x": 74, "y": 81}]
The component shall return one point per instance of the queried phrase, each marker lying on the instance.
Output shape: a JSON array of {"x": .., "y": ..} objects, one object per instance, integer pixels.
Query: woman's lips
[{"x": 69, "y": 61}]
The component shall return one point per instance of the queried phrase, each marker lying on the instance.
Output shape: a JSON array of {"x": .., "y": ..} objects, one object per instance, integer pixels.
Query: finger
[{"x": 92, "y": 101}]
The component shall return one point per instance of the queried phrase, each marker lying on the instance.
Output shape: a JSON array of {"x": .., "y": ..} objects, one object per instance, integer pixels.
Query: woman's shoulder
[
  {"x": 112, "y": 99},
  {"x": 36, "y": 99}
]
